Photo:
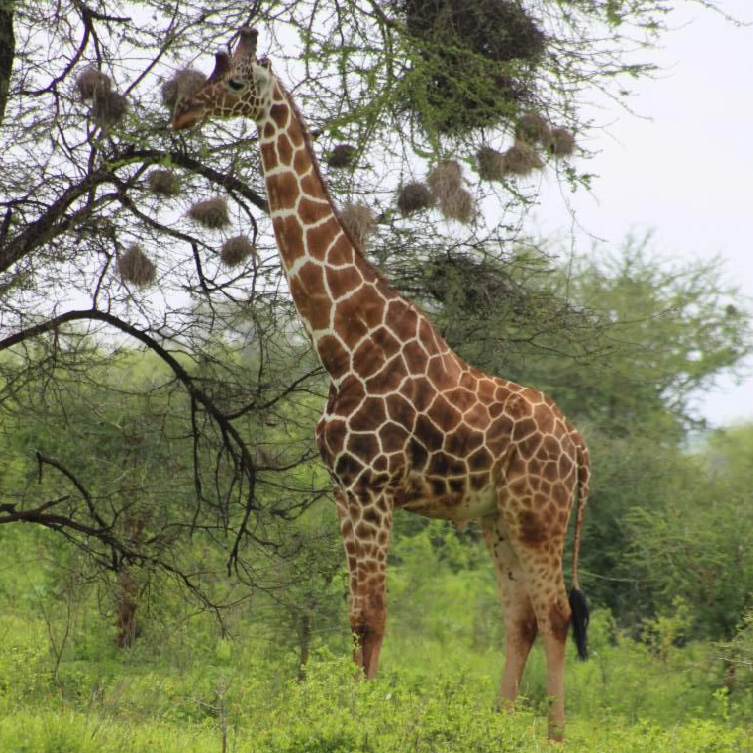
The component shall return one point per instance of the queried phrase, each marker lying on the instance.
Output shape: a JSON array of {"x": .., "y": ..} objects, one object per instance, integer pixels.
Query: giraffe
[{"x": 408, "y": 424}]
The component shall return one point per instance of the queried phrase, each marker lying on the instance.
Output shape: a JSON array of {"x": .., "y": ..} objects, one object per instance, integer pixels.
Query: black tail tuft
[{"x": 579, "y": 608}]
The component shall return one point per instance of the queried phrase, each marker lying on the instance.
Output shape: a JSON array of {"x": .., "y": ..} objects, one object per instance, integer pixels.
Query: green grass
[{"x": 185, "y": 687}]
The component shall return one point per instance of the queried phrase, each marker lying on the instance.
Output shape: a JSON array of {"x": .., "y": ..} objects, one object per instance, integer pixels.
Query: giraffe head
[{"x": 239, "y": 85}]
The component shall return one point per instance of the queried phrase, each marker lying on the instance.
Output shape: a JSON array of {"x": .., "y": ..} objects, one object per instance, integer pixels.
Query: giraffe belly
[{"x": 468, "y": 504}]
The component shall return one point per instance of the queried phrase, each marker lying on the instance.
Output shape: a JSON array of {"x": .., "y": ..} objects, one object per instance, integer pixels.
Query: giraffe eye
[{"x": 235, "y": 85}]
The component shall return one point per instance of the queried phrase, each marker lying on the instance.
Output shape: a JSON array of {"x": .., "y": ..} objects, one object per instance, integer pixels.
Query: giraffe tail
[{"x": 577, "y": 599}]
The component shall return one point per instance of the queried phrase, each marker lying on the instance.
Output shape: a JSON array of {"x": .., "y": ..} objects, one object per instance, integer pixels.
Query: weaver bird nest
[
  {"x": 236, "y": 250},
  {"x": 183, "y": 84},
  {"x": 359, "y": 220},
  {"x": 414, "y": 197},
  {"x": 163, "y": 183},
  {"x": 211, "y": 213},
  {"x": 91, "y": 82},
  {"x": 342, "y": 156},
  {"x": 468, "y": 66},
  {"x": 135, "y": 267}
]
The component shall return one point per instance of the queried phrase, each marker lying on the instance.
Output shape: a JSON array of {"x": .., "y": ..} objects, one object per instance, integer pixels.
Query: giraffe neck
[{"x": 342, "y": 299}]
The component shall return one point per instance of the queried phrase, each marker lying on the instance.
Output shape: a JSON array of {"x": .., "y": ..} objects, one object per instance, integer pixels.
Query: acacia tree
[{"x": 97, "y": 252}]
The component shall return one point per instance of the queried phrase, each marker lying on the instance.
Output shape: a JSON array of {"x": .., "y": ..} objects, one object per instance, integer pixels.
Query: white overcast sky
[{"x": 683, "y": 167}]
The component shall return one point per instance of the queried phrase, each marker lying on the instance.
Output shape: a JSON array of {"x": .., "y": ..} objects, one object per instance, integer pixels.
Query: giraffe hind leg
[{"x": 519, "y": 618}]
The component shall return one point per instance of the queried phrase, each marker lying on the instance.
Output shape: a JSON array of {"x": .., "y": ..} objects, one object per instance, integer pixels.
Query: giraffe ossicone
[{"x": 408, "y": 424}]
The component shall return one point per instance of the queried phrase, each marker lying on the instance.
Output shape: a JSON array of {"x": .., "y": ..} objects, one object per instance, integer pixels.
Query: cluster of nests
[
  {"x": 473, "y": 61},
  {"x": 444, "y": 183},
  {"x": 134, "y": 265},
  {"x": 108, "y": 107}
]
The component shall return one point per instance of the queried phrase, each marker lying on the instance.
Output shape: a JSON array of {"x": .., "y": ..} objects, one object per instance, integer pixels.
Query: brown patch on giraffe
[
  {"x": 365, "y": 531},
  {"x": 393, "y": 437},
  {"x": 549, "y": 471},
  {"x": 386, "y": 340},
  {"x": 368, "y": 305},
  {"x": 484, "y": 392},
  {"x": 367, "y": 361},
  {"x": 418, "y": 392},
  {"x": 545, "y": 419},
  {"x": 401, "y": 318},
  {"x": 559, "y": 621},
  {"x": 363, "y": 446},
  {"x": 389, "y": 380},
  {"x": 416, "y": 356},
  {"x": 479, "y": 481},
  {"x": 455, "y": 442},
  {"x": 269, "y": 131},
  {"x": 565, "y": 466},
  {"x": 518, "y": 408},
  {"x": 444, "y": 414},
  {"x": 480, "y": 459},
  {"x": 312, "y": 211},
  {"x": 289, "y": 234},
  {"x": 437, "y": 372},
  {"x": 523, "y": 428},
  {"x": 370, "y": 415},
  {"x": 529, "y": 447},
  {"x": 373, "y": 516},
  {"x": 417, "y": 454},
  {"x": 532, "y": 532},
  {"x": 348, "y": 324},
  {"x": 333, "y": 438},
  {"x": 427, "y": 336},
  {"x": 341, "y": 252},
  {"x": 342, "y": 279},
  {"x": 318, "y": 238},
  {"x": 431, "y": 437},
  {"x": 280, "y": 114},
  {"x": 347, "y": 468},
  {"x": 282, "y": 189},
  {"x": 310, "y": 185},
  {"x": 310, "y": 297},
  {"x": 268, "y": 156},
  {"x": 400, "y": 410},
  {"x": 334, "y": 356},
  {"x": 380, "y": 463},
  {"x": 284, "y": 149},
  {"x": 345, "y": 400},
  {"x": 461, "y": 398}
]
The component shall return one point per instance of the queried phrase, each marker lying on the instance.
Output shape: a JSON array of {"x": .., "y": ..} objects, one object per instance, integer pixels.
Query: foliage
[{"x": 189, "y": 687}]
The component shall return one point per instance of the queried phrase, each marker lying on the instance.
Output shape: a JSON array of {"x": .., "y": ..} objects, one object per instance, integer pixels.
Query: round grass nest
[
  {"x": 109, "y": 108},
  {"x": 499, "y": 30},
  {"x": 236, "y": 250},
  {"x": 183, "y": 84},
  {"x": 342, "y": 156},
  {"x": 445, "y": 178},
  {"x": 91, "y": 82},
  {"x": 359, "y": 220},
  {"x": 414, "y": 197},
  {"x": 533, "y": 128},
  {"x": 135, "y": 267},
  {"x": 490, "y": 164},
  {"x": 561, "y": 142},
  {"x": 459, "y": 79},
  {"x": 163, "y": 183},
  {"x": 459, "y": 206},
  {"x": 211, "y": 213},
  {"x": 522, "y": 159}
]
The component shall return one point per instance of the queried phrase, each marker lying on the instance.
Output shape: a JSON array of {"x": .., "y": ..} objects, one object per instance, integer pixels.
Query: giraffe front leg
[{"x": 365, "y": 526}]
